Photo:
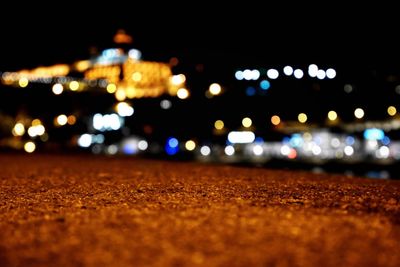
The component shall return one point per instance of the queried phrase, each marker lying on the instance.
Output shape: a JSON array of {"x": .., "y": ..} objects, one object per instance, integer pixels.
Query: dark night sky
[{"x": 32, "y": 36}]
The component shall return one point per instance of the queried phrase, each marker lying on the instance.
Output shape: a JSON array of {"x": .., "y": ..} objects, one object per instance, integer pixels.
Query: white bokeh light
[
  {"x": 288, "y": 70},
  {"x": 272, "y": 74},
  {"x": 205, "y": 150},
  {"x": 298, "y": 73},
  {"x": 330, "y": 73}
]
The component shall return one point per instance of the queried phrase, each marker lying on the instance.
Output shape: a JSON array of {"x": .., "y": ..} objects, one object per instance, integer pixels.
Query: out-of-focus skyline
[{"x": 263, "y": 84}]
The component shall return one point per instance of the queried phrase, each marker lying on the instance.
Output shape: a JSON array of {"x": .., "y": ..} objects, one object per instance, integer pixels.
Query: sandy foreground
[{"x": 82, "y": 210}]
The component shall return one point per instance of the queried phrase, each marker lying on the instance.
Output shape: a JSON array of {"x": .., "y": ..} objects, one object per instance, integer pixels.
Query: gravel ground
[{"x": 82, "y": 210}]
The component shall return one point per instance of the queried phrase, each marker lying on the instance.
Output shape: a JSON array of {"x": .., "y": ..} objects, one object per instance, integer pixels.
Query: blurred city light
[
  {"x": 359, "y": 113},
  {"x": 247, "y": 122},
  {"x": 275, "y": 120},
  {"x": 115, "y": 102},
  {"x": 215, "y": 89},
  {"x": 29, "y": 147}
]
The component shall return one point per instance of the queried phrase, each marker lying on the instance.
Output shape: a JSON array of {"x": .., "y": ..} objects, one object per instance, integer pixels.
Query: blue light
[
  {"x": 265, "y": 85},
  {"x": 350, "y": 140},
  {"x": 386, "y": 141},
  {"x": 111, "y": 52},
  {"x": 374, "y": 134},
  {"x": 111, "y": 56},
  {"x": 286, "y": 140},
  {"x": 172, "y": 146},
  {"x": 239, "y": 75},
  {"x": 129, "y": 148},
  {"x": 172, "y": 142},
  {"x": 250, "y": 91},
  {"x": 171, "y": 150},
  {"x": 296, "y": 140},
  {"x": 259, "y": 140},
  {"x": 318, "y": 140}
]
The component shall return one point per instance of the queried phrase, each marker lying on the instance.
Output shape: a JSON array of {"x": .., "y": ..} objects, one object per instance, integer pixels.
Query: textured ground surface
[{"x": 98, "y": 211}]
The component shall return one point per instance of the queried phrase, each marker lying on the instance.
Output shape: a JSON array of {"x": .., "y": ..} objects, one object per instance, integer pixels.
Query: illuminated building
[
  {"x": 80, "y": 104},
  {"x": 132, "y": 76}
]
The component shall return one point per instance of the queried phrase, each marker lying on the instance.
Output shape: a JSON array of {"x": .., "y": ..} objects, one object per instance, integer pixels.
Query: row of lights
[
  {"x": 313, "y": 71},
  {"x": 302, "y": 118}
]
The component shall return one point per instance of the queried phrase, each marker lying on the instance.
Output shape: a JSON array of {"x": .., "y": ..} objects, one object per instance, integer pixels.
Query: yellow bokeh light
[
  {"x": 120, "y": 95},
  {"x": 82, "y": 65},
  {"x": 215, "y": 89},
  {"x": 18, "y": 129},
  {"x": 74, "y": 86},
  {"x": 246, "y": 122},
  {"x": 46, "y": 72},
  {"x": 111, "y": 88},
  {"x": 391, "y": 110},
  {"x": 29, "y": 147},
  {"x": 302, "y": 117},
  {"x": 190, "y": 145},
  {"x": 23, "y": 82},
  {"x": 136, "y": 76},
  {"x": 36, "y": 122},
  {"x": 39, "y": 129},
  {"x": 182, "y": 93},
  {"x": 359, "y": 113},
  {"x": 110, "y": 73},
  {"x": 275, "y": 120},
  {"x": 124, "y": 109},
  {"x": 219, "y": 125},
  {"x": 178, "y": 79},
  {"x": 131, "y": 92},
  {"x": 332, "y": 115}
]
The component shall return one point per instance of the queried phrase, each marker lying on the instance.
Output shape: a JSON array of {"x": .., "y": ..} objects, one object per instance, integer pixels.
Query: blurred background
[{"x": 301, "y": 92}]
